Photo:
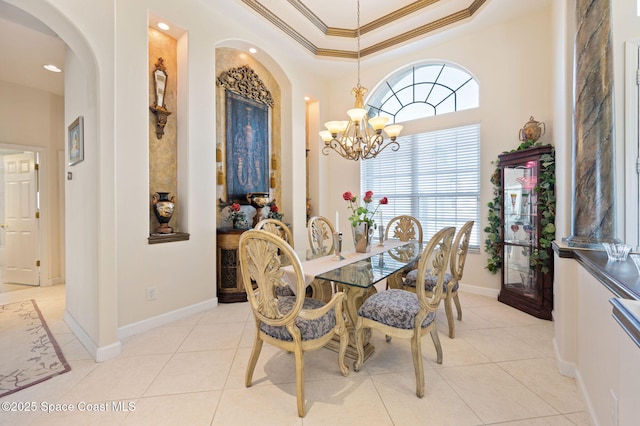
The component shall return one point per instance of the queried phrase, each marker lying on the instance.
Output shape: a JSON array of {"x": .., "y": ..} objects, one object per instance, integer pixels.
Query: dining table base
[{"x": 355, "y": 298}]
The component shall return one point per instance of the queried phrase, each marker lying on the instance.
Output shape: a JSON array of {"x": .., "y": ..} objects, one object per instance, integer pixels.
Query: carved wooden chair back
[
  {"x": 452, "y": 281},
  {"x": 293, "y": 323},
  {"x": 320, "y": 231},
  {"x": 460, "y": 249},
  {"x": 404, "y": 228},
  {"x": 276, "y": 227}
]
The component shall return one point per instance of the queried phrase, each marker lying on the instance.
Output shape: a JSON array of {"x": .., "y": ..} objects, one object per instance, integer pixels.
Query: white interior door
[{"x": 20, "y": 225}]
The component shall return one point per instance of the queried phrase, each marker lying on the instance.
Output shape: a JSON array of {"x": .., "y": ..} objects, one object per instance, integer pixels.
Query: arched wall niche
[{"x": 228, "y": 58}]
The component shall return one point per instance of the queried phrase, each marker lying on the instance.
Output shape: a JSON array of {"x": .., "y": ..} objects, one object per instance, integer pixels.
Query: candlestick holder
[
  {"x": 381, "y": 233},
  {"x": 337, "y": 246}
]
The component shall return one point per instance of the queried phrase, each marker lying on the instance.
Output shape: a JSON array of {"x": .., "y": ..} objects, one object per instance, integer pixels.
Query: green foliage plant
[{"x": 545, "y": 188}]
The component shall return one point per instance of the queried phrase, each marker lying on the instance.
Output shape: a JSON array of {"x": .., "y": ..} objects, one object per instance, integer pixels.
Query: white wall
[
  {"x": 184, "y": 272},
  {"x": 34, "y": 118},
  {"x": 515, "y": 83}
]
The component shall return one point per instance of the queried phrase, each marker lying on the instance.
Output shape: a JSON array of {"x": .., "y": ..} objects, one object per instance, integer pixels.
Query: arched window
[
  {"x": 435, "y": 175},
  {"x": 424, "y": 90}
]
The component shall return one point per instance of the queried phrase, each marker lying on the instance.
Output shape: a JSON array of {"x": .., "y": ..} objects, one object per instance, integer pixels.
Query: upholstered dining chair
[
  {"x": 276, "y": 227},
  {"x": 320, "y": 231},
  {"x": 295, "y": 324},
  {"x": 279, "y": 229},
  {"x": 451, "y": 279},
  {"x": 407, "y": 315},
  {"x": 403, "y": 228}
]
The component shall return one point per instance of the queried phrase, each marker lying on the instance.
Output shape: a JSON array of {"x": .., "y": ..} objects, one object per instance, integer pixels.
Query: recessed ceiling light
[
  {"x": 163, "y": 26},
  {"x": 52, "y": 68},
  {"x": 253, "y": 50}
]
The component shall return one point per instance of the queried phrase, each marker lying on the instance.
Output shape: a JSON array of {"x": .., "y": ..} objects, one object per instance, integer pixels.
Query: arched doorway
[{"x": 84, "y": 241}]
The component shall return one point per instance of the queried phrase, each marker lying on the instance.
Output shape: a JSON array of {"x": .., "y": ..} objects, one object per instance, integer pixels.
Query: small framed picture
[{"x": 76, "y": 141}]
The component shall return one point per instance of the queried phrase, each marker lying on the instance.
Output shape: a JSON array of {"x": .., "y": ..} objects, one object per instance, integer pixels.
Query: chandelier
[{"x": 360, "y": 136}]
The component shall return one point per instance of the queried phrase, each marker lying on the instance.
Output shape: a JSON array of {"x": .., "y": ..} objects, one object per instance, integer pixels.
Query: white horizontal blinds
[{"x": 434, "y": 176}]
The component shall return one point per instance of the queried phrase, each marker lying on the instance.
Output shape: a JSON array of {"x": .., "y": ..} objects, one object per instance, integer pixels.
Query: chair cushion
[
  {"x": 284, "y": 290},
  {"x": 395, "y": 308},
  {"x": 429, "y": 281},
  {"x": 309, "y": 329}
]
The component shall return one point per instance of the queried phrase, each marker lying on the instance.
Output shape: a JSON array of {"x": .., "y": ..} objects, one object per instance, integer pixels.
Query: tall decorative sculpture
[{"x": 593, "y": 162}]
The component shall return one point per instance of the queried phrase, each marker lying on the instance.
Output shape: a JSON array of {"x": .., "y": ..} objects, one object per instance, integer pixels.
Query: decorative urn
[
  {"x": 532, "y": 130},
  {"x": 163, "y": 207}
]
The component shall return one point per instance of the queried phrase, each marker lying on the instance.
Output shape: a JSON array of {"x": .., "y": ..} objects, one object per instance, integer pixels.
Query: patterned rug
[{"x": 28, "y": 350}]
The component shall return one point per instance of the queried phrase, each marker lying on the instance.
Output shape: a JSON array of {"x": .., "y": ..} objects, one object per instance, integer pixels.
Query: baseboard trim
[
  {"x": 565, "y": 368},
  {"x": 585, "y": 397},
  {"x": 158, "y": 320},
  {"x": 99, "y": 354},
  {"x": 481, "y": 291}
]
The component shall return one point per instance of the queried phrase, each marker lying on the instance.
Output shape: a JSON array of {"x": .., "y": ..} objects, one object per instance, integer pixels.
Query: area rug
[{"x": 28, "y": 350}]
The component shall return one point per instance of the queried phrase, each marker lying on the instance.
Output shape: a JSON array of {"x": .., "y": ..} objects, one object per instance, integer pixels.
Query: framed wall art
[
  {"x": 247, "y": 140},
  {"x": 76, "y": 141}
]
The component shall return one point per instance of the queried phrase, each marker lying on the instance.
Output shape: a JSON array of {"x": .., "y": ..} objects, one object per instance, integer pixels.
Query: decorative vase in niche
[
  {"x": 163, "y": 208},
  {"x": 240, "y": 224},
  {"x": 362, "y": 235}
]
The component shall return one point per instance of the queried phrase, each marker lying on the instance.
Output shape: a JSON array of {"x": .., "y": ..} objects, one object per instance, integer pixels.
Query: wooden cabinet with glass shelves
[{"x": 524, "y": 285}]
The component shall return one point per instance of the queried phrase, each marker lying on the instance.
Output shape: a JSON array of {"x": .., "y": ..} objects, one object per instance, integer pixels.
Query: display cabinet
[{"x": 527, "y": 268}]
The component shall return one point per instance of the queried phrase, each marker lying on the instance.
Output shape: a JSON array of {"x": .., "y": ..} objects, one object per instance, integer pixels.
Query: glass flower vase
[{"x": 362, "y": 236}]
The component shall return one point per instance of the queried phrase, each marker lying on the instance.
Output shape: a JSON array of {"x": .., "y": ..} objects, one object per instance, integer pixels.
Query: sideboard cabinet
[
  {"x": 524, "y": 285},
  {"x": 229, "y": 279}
]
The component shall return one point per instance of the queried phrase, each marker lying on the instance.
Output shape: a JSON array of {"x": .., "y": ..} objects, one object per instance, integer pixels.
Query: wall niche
[
  {"x": 163, "y": 139},
  {"x": 239, "y": 109}
]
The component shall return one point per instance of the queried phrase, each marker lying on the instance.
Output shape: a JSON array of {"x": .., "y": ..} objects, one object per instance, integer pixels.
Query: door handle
[{"x": 4, "y": 225}]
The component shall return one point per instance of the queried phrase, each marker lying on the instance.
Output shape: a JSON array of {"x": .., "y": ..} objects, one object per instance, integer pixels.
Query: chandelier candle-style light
[{"x": 361, "y": 136}]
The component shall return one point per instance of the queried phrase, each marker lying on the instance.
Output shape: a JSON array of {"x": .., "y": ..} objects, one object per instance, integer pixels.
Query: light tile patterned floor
[{"x": 498, "y": 370}]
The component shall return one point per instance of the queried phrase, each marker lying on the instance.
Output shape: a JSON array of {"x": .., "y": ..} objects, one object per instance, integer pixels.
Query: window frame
[{"x": 414, "y": 128}]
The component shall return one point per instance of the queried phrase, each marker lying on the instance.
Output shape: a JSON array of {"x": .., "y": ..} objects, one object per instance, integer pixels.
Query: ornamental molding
[{"x": 245, "y": 82}]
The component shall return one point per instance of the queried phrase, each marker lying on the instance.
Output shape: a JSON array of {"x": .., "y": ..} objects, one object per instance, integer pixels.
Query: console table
[{"x": 229, "y": 279}]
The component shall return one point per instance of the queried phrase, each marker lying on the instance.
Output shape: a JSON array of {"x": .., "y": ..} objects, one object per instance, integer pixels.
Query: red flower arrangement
[
  {"x": 362, "y": 214},
  {"x": 274, "y": 212},
  {"x": 237, "y": 216}
]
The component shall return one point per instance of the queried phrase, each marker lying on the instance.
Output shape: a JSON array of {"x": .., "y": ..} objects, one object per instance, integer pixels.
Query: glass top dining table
[
  {"x": 368, "y": 269},
  {"x": 355, "y": 274}
]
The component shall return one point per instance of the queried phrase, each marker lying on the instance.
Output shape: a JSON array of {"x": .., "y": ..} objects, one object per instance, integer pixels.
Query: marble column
[{"x": 593, "y": 162}]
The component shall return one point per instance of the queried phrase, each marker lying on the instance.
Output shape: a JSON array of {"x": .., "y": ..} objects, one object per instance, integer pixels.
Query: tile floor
[{"x": 500, "y": 369}]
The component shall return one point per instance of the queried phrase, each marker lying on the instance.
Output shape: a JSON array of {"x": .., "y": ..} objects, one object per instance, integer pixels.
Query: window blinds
[{"x": 434, "y": 177}]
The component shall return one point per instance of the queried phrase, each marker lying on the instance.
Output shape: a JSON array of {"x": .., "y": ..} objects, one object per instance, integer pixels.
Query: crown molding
[{"x": 315, "y": 21}]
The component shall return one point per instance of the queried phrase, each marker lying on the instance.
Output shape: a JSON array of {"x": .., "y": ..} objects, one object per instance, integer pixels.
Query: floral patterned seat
[
  {"x": 293, "y": 323},
  {"x": 309, "y": 329},
  {"x": 429, "y": 281},
  {"x": 395, "y": 308}
]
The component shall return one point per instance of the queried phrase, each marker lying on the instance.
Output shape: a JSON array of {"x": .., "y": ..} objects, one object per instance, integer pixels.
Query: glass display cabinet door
[{"x": 520, "y": 233}]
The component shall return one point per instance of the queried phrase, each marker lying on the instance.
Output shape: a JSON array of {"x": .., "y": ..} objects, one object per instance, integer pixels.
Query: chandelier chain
[
  {"x": 358, "y": 36},
  {"x": 360, "y": 137}
]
